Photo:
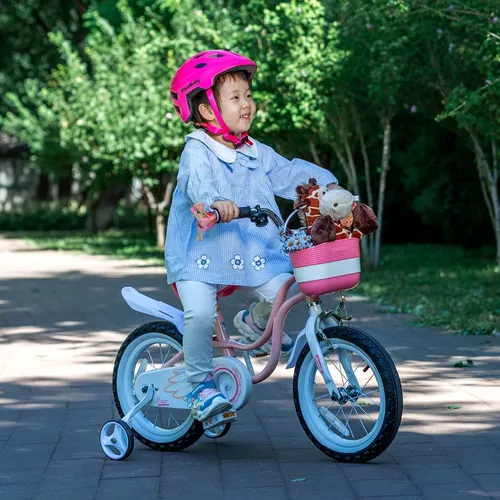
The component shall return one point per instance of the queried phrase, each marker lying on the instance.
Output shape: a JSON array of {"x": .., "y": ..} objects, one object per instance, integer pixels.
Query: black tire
[
  {"x": 196, "y": 430},
  {"x": 392, "y": 387}
]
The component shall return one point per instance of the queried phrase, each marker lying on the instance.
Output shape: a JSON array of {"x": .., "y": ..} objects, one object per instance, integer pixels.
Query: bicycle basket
[{"x": 327, "y": 268}]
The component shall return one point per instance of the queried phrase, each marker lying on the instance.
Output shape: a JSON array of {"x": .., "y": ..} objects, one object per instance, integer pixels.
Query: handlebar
[{"x": 259, "y": 216}]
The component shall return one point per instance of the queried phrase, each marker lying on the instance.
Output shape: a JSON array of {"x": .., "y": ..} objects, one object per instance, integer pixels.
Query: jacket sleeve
[
  {"x": 285, "y": 175},
  {"x": 195, "y": 175}
]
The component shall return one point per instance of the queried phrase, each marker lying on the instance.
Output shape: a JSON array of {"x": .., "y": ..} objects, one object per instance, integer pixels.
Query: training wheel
[
  {"x": 218, "y": 431},
  {"x": 116, "y": 439}
]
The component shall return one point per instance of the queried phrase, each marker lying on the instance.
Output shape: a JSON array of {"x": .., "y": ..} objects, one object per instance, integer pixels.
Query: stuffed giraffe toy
[
  {"x": 333, "y": 214},
  {"x": 308, "y": 197}
]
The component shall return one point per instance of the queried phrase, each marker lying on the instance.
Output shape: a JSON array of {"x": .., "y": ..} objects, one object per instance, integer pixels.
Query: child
[{"x": 222, "y": 168}]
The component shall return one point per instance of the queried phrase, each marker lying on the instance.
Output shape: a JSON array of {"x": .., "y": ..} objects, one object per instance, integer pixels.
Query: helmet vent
[
  {"x": 174, "y": 95},
  {"x": 216, "y": 56},
  {"x": 198, "y": 55},
  {"x": 201, "y": 65},
  {"x": 177, "y": 109}
]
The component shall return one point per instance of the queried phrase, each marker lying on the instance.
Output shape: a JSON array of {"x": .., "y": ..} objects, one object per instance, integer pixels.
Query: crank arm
[{"x": 140, "y": 405}]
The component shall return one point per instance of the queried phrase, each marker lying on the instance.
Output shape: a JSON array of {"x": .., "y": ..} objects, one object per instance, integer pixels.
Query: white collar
[{"x": 222, "y": 152}]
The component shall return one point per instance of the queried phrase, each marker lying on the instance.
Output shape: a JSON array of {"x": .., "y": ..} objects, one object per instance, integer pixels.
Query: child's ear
[{"x": 206, "y": 112}]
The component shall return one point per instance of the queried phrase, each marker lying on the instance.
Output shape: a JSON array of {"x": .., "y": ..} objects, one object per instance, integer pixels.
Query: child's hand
[{"x": 228, "y": 210}]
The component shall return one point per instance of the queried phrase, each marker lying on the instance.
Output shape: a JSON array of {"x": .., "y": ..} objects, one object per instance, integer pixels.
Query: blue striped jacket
[{"x": 236, "y": 253}]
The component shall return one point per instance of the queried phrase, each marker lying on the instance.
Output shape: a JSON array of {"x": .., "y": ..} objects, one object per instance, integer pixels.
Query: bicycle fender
[
  {"x": 144, "y": 304},
  {"x": 300, "y": 342}
]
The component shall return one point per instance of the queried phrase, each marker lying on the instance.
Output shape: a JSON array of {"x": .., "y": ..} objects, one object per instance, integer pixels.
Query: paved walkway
[{"x": 62, "y": 320}]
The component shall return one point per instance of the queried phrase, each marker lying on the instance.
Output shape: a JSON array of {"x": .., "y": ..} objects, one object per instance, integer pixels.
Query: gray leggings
[{"x": 199, "y": 303}]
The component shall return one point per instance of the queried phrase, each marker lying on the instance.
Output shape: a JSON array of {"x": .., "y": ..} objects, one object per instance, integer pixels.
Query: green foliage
[
  {"x": 439, "y": 286},
  {"x": 299, "y": 59},
  {"x": 120, "y": 244},
  {"x": 25, "y": 51},
  {"x": 67, "y": 219},
  {"x": 96, "y": 92},
  {"x": 42, "y": 220}
]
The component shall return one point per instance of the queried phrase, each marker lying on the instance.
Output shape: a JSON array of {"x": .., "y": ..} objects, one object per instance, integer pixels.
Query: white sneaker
[
  {"x": 244, "y": 323},
  {"x": 206, "y": 401}
]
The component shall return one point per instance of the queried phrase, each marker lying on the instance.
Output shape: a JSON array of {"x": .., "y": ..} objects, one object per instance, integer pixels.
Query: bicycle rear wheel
[
  {"x": 148, "y": 348},
  {"x": 365, "y": 420}
]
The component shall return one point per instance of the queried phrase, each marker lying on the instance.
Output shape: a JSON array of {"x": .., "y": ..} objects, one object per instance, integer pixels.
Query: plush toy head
[
  {"x": 337, "y": 202},
  {"x": 308, "y": 200}
]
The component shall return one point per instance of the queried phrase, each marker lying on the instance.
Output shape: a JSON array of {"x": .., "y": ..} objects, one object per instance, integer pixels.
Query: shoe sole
[{"x": 211, "y": 411}]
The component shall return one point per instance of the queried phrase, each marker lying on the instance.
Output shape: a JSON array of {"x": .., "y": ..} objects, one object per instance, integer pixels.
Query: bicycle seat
[{"x": 223, "y": 292}]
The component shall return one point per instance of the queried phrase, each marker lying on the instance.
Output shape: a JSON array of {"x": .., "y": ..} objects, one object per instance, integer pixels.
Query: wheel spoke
[
  {"x": 343, "y": 377},
  {"x": 347, "y": 422},
  {"x": 360, "y": 421},
  {"x": 365, "y": 394},
  {"x": 321, "y": 397},
  {"x": 151, "y": 358},
  {"x": 361, "y": 408},
  {"x": 175, "y": 420},
  {"x": 166, "y": 356},
  {"x": 366, "y": 383}
]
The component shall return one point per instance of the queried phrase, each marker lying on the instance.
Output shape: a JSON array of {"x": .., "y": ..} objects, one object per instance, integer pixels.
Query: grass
[
  {"x": 119, "y": 244},
  {"x": 439, "y": 286}
]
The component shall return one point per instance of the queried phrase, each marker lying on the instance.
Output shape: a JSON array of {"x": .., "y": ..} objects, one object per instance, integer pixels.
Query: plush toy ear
[{"x": 301, "y": 190}]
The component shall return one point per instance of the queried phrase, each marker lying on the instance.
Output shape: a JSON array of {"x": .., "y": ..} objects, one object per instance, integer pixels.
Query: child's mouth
[{"x": 245, "y": 117}]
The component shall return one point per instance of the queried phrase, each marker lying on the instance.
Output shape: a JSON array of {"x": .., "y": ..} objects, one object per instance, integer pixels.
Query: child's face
[{"x": 237, "y": 105}]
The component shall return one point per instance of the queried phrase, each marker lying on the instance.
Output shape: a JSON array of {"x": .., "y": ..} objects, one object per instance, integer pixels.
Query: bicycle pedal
[{"x": 220, "y": 419}]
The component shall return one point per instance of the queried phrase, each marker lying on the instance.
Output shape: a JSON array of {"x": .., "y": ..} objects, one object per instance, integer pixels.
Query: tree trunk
[
  {"x": 488, "y": 176},
  {"x": 101, "y": 210},
  {"x": 367, "y": 244},
  {"x": 159, "y": 209},
  {"x": 314, "y": 153},
  {"x": 64, "y": 185},
  {"x": 386, "y": 156},
  {"x": 43, "y": 187}
]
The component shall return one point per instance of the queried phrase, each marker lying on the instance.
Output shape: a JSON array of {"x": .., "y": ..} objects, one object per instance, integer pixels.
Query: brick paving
[{"x": 62, "y": 320}]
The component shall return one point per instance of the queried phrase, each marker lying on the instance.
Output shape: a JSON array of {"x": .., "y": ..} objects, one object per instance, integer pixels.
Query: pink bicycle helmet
[{"x": 198, "y": 74}]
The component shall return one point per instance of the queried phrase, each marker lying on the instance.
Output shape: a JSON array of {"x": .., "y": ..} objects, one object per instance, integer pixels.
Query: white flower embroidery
[
  {"x": 237, "y": 262},
  {"x": 203, "y": 262},
  {"x": 258, "y": 263}
]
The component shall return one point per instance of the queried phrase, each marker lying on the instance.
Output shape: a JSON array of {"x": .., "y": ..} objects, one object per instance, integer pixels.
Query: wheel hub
[{"x": 348, "y": 393}]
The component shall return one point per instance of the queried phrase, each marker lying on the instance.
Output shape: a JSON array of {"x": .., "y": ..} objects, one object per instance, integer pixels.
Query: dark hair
[{"x": 201, "y": 97}]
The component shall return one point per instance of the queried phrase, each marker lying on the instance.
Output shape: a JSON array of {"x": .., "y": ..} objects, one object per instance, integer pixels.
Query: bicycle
[{"x": 346, "y": 389}]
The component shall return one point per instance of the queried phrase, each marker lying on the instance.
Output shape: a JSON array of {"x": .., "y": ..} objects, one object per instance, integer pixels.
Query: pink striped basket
[{"x": 327, "y": 268}]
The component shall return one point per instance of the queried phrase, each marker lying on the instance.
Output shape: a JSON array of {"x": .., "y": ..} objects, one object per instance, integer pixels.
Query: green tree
[{"x": 460, "y": 48}]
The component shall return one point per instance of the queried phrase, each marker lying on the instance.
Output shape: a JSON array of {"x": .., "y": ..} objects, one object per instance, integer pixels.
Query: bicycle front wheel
[{"x": 364, "y": 421}]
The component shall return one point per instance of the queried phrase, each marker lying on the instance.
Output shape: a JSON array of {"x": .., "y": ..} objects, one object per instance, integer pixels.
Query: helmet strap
[{"x": 224, "y": 129}]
